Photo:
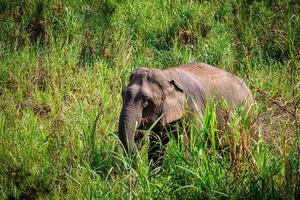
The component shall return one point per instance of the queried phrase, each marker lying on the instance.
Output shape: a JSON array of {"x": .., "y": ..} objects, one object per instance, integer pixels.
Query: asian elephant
[{"x": 154, "y": 94}]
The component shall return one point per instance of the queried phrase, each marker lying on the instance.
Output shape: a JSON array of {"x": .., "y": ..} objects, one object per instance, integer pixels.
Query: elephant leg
[
  {"x": 157, "y": 148},
  {"x": 222, "y": 126}
]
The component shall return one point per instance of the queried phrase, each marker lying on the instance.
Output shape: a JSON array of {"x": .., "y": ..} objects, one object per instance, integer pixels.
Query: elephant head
[{"x": 151, "y": 94}]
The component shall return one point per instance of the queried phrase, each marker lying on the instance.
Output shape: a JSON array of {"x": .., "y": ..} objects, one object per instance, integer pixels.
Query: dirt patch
[
  {"x": 40, "y": 109},
  {"x": 274, "y": 126},
  {"x": 18, "y": 177},
  {"x": 11, "y": 83},
  {"x": 186, "y": 37},
  {"x": 41, "y": 78}
]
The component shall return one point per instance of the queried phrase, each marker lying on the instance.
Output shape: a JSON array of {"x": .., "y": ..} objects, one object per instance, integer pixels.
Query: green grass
[{"x": 62, "y": 68}]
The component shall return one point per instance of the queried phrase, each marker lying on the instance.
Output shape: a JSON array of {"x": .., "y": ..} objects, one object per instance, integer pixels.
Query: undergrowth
[{"x": 63, "y": 65}]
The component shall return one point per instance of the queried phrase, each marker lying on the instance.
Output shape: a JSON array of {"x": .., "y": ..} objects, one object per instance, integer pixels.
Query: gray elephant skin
[{"x": 154, "y": 94}]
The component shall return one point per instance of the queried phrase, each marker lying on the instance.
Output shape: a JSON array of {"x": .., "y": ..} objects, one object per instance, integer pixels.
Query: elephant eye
[{"x": 126, "y": 93}]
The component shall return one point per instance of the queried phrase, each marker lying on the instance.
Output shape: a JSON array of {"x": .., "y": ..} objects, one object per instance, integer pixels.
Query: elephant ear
[{"x": 173, "y": 108}]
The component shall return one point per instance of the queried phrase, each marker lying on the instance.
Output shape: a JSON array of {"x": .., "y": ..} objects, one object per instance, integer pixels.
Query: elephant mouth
[{"x": 145, "y": 125}]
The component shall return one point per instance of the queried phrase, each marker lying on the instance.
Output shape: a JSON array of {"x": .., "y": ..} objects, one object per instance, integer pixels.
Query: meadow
[{"x": 63, "y": 65}]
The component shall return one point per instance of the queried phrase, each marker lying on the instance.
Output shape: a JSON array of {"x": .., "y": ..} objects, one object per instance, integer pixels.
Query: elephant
[{"x": 162, "y": 96}]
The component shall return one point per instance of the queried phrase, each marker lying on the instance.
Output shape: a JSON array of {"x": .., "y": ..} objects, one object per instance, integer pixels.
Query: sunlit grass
[{"x": 62, "y": 68}]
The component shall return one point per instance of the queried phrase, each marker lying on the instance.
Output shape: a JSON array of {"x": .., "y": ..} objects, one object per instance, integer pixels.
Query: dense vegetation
[{"x": 62, "y": 67}]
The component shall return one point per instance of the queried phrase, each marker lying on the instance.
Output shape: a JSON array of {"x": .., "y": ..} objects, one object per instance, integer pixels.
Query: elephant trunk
[{"x": 128, "y": 123}]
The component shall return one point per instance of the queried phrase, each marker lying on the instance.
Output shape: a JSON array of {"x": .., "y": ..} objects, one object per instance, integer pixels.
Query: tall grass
[{"x": 62, "y": 67}]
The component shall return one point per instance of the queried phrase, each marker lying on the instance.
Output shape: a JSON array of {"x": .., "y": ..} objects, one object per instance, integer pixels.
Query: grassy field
[{"x": 63, "y": 65}]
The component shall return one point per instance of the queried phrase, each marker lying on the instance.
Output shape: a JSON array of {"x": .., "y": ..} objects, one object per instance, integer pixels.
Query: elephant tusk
[{"x": 144, "y": 121}]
